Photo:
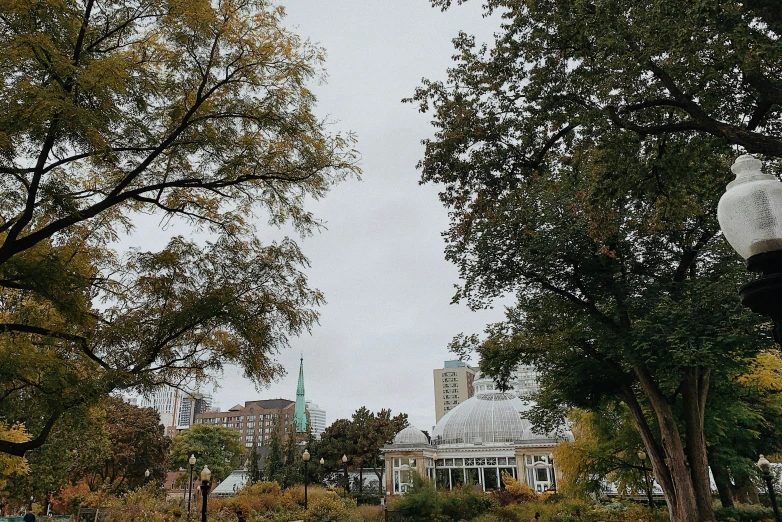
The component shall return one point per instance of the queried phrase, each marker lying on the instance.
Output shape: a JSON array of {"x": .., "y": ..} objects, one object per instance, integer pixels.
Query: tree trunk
[
  {"x": 694, "y": 392},
  {"x": 744, "y": 490},
  {"x": 724, "y": 486},
  {"x": 689, "y": 503}
]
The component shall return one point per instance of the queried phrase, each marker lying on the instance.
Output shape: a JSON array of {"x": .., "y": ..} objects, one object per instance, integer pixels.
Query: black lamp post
[
  {"x": 765, "y": 468},
  {"x": 750, "y": 216},
  {"x": 642, "y": 456},
  {"x": 553, "y": 475},
  {"x": 306, "y": 458},
  {"x": 191, "y": 461},
  {"x": 434, "y": 459},
  {"x": 347, "y": 480},
  {"x": 206, "y": 479}
]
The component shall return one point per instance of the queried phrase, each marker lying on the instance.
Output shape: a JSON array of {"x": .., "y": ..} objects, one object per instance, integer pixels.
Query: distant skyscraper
[
  {"x": 176, "y": 408},
  {"x": 525, "y": 380},
  {"x": 300, "y": 415},
  {"x": 189, "y": 406},
  {"x": 452, "y": 386},
  {"x": 317, "y": 418}
]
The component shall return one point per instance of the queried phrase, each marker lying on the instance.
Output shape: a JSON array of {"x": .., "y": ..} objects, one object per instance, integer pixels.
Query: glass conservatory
[{"x": 478, "y": 442}]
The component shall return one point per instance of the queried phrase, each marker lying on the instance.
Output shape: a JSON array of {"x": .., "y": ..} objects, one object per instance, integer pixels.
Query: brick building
[{"x": 255, "y": 421}]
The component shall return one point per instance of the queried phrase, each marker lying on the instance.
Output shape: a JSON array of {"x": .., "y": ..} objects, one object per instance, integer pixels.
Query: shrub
[
  {"x": 466, "y": 502},
  {"x": 330, "y": 508},
  {"x": 366, "y": 499},
  {"x": 744, "y": 513}
]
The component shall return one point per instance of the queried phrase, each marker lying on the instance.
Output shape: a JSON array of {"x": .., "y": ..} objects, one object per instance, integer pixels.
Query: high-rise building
[
  {"x": 300, "y": 415},
  {"x": 525, "y": 381},
  {"x": 255, "y": 421},
  {"x": 176, "y": 408},
  {"x": 452, "y": 386},
  {"x": 189, "y": 406},
  {"x": 317, "y": 418}
]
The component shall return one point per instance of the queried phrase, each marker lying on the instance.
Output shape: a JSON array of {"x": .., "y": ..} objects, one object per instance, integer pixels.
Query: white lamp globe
[{"x": 750, "y": 211}]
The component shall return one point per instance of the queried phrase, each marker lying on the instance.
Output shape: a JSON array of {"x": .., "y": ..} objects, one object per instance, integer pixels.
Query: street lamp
[
  {"x": 347, "y": 480},
  {"x": 434, "y": 459},
  {"x": 553, "y": 475},
  {"x": 765, "y": 468},
  {"x": 146, "y": 476},
  {"x": 642, "y": 457},
  {"x": 750, "y": 216},
  {"x": 191, "y": 461},
  {"x": 206, "y": 477},
  {"x": 306, "y": 458}
]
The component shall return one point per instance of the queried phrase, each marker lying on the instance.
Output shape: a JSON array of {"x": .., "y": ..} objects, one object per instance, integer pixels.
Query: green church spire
[{"x": 299, "y": 416}]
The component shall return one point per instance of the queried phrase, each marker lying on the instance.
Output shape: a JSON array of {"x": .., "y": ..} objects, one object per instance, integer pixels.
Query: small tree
[{"x": 217, "y": 447}]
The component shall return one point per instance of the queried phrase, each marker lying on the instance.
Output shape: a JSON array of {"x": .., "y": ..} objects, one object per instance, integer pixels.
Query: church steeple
[{"x": 299, "y": 415}]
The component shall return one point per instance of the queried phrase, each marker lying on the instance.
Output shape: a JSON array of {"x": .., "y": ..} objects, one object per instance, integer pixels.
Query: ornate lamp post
[
  {"x": 206, "y": 479},
  {"x": 434, "y": 459},
  {"x": 191, "y": 461},
  {"x": 306, "y": 458},
  {"x": 642, "y": 457},
  {"x": 750, "y": 216},
  {"x": 553, "y": 475},
  {"x": 765, "y": 468},
  {"x": 347, "y": 480}
]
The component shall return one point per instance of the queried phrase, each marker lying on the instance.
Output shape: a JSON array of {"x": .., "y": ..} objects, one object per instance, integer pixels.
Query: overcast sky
[{"x": 380, "y": 263}]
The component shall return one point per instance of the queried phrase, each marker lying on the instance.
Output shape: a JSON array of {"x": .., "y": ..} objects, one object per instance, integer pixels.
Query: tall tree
[
  {"x": 135, "y": 443},
  {"x": 216, "y": 447},
  {"x": 275, "y": 458},
  {"x": 194, "y": 110},
  {"x": 582, "y": 158}
]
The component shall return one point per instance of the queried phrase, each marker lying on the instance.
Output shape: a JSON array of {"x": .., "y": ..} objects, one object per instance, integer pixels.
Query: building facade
[
  {"x": 317, "y": 418},
  {"x": 176, "y": 408},
  {"x": 525, "y": 381},
  {"x": 453, "y": 384},
  {"x": 475, "y": 443},
  {"x": 255, "y": 421}
]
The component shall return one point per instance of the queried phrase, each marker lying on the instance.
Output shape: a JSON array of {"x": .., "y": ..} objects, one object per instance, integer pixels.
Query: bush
[
  {"x": 744, "y": 514},
  {"x": 366, "y": 499},
  {"x": 330, "y": 508},
  {"x": 466, "y": 502}
]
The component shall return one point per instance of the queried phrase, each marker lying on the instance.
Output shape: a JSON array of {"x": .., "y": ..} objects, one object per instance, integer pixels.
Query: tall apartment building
[
  {"x": 317, "y": 417},
  {"x": 191, "y": 405},
  {"x": 176, "y": 408},
  {"x": 525, "y": 381},
  {"x": 255, "y": 421},
  {"x": 452, "y": 386}
]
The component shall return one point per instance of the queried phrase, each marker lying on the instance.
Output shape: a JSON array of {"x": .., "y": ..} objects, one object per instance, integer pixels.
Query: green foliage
[
  {"x": 329, "y": 508},
  {"x": 581, "y": 160},
  {"x": 424, "y": 502},
  {"x": 217, "y": 447},
  {"x": 745, "y": 514},
  {"x": 112, "y": 111},
  {"x": 360, "y": 439}
]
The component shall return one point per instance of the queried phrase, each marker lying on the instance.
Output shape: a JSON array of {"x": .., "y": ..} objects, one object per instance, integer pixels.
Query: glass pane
[
  {"x": 457, "y": 477},
  {"x": 442, "y": 478},
  {"x": 529, "y": 459},
  {"x": 490, "y": 479},
  {"x": 449, "y": 462},
  {"x": 541, "y": 474},
  {"x": 469, "y": 462},
  {"x": 458, "y": 462},
  {"x": 491, "y": 461},
  {"x": 472, "y": 475},
  {"x": 512, "y": 460}
]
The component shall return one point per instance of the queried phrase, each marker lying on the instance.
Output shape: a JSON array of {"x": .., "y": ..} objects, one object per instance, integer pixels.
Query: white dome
[
  {"x": 411, "y": 435},
  {"x": 488, "y": 417}
]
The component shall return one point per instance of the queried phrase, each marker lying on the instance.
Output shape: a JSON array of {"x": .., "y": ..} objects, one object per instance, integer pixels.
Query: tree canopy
[
  {"x": 216, "y": 447},
  {"x": 581, "y": 158},
  {"x": 193, "y": 110}
]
